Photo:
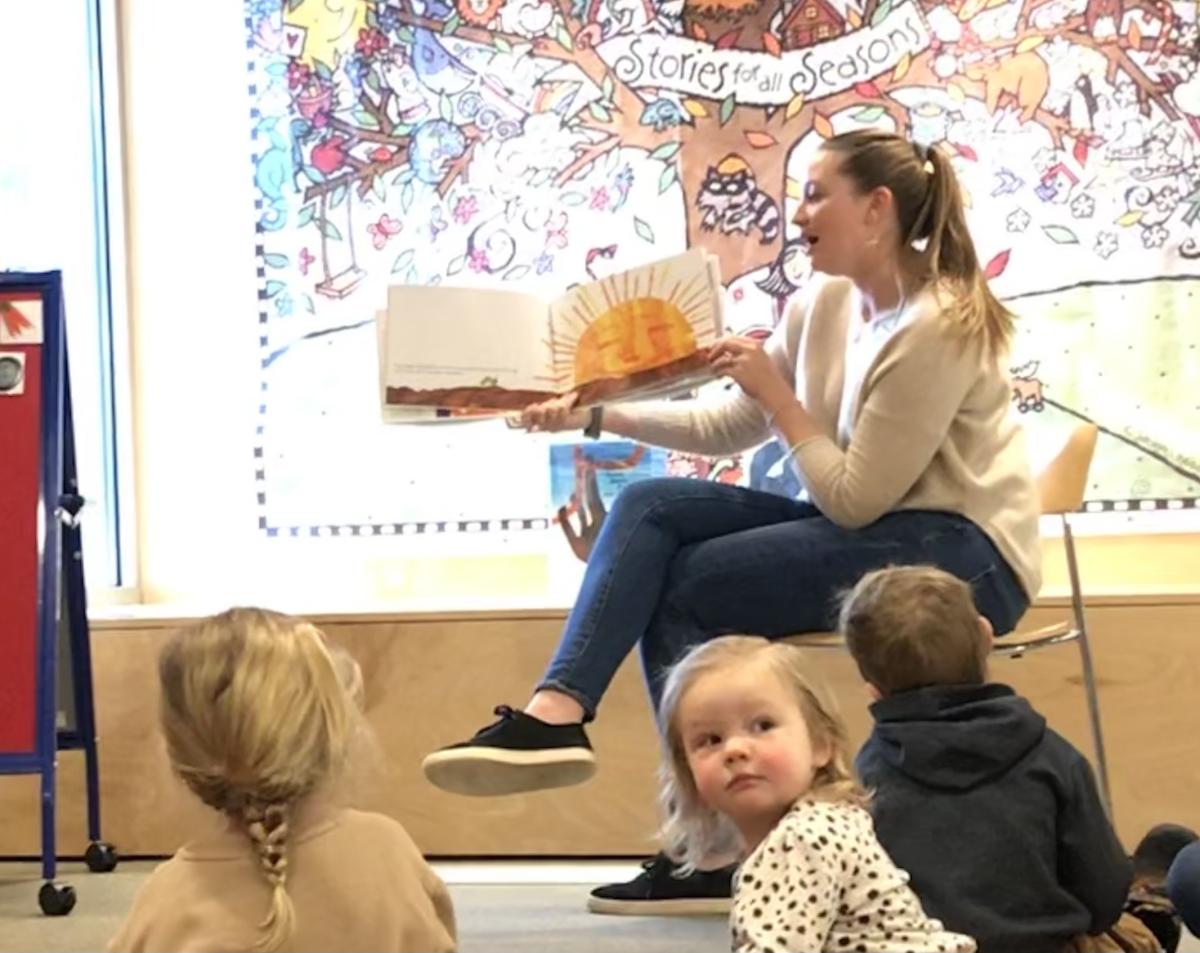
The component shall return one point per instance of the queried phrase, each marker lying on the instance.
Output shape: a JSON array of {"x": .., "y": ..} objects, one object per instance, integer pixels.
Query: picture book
[{"x": 453, "y": 352}]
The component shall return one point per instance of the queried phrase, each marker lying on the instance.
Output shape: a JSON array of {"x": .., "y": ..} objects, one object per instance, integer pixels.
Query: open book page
[
  {"x": 411, "y": 414},
  {"x": 645, "y": 330},
  {"x": 463, "y": 348}
]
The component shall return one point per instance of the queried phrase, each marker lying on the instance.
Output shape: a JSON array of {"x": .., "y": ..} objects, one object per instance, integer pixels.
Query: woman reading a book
[{"x": 885, "y": 383}]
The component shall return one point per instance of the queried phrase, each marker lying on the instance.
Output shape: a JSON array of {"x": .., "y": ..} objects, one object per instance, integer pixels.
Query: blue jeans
[{"x": 681, "y": 561}]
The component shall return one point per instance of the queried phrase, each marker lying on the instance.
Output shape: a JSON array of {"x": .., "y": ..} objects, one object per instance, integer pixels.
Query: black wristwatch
[{"x": 595, "y": 420}]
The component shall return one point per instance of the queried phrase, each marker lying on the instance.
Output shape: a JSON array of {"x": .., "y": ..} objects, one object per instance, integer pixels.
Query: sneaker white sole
[
  {"x": 681, "y": 907},
  {"x": 488, "y": 772}
]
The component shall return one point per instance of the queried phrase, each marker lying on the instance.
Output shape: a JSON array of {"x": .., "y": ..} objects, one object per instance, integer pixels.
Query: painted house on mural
[{"x": 808, "y": 22}]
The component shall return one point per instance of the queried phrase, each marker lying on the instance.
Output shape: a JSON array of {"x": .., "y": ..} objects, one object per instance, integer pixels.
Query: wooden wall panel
[{"x": 432, "y": 679}]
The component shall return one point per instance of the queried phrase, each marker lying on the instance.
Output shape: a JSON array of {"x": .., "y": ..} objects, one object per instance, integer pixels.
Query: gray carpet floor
[{"x": 492, "y": 917}]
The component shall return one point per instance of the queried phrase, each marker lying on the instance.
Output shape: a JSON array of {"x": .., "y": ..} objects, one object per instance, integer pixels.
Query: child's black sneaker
[
  {"x": 656, "y": 891},
  {"x": 515, "y": 754}
]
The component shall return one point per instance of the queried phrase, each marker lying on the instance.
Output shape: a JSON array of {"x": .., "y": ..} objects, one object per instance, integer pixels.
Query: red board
[{"x": 20, "y": 471}]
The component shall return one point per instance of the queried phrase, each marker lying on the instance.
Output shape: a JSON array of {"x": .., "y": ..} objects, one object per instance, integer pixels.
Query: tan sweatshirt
[
  {"x": 357, "y": 882},
  {"x": 914, "y": 417}
]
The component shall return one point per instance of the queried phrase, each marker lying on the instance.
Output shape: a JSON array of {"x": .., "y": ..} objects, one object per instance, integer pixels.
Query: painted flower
[
  {"x": 1154, "y": 237},
  {"x": 599, "y": 198},
  {"x": 1083, "y": 206},
  {"x": 306, "y": 259},
  {"x": 298, "y": 75},
  {"x": 1018, "y": 220},
  {"x": 356, "y": 68},
  {"x": 370, "y": 42},
  {"x": 478, "y": 260},
  {"x": 465, "y": 209},
  {"x": 1106, "y": 244},
  {"x": 1167, "y": 199},
  {"x": 739, "y": 294},
  {"x": 284, "y": 304},
  {"x": 544, "y": 263}
]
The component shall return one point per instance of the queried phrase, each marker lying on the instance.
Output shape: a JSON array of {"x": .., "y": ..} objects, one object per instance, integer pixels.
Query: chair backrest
[{"x": 1063, "y": 480}]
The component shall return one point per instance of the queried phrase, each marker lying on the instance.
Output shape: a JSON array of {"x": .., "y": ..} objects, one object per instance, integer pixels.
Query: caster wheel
[
  {"x": 101, "y": 857},
  {"x": 56, "y": 900}
]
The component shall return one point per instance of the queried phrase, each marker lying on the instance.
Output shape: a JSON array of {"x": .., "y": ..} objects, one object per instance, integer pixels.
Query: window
[{"x": 58, "y": 168}]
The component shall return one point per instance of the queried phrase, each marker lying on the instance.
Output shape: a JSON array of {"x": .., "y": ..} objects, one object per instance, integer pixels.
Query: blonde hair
[
  {"x": 912, "y": 626},
  {"x": 691, "y": 828},
  {"x": 255, "y": 716},
  {"x": 933, "y": 224}
]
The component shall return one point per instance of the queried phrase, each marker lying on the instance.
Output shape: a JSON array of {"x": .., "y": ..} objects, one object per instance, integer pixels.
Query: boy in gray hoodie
[{"x": 995, "y": 816}]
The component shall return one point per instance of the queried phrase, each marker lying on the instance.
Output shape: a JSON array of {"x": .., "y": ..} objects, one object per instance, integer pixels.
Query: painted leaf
[
  {"x": 996, "y": 266},
  {"x": 699, "y": 33},
  {"x": 881, "y": 12},
  {"x": 795, "y": 189},
  {"x": 1030, "y": 43},
  {"x": 294, "y": 5},
  {"x": 452, "y": 23},
  {"x": 795, "y": 104},
  {"x": 338, "y": 196},
  {"x": 869, "y": 114},
  {"x": 966, "y": 151},
  {"x": 598, "y": 112},
  {"x": 1080, "y": 151},
  {"x": 275, "y": 260},
  {"x": 867, "y": 90},
  {"x": 726, "y": 109},
  {"x": 273, "y": 288},
  {"x": 308, "y": 304},
  {"x": 1131, "y": 217},
  {"x": 573, "y": 198},
  {"x": 378, "y": 187},
  {"x": 406, "y": 196},
  {"x": 456, "y": 265},
  {"x": 315, "y": 175},
  {"x": 729, "y": 40},
  {"x": 665, "y": 151},
  {"x": 329, "y": 230},
  {"x": 564, "y": 38},
  {"x": 501, "y": 44},
  {"x": 969, "y": 10},
  {"x": 411, "y": 278},
  {"x": 771, "y": 44},
  {"x": 668, "y": 177},
  {"x": 902, "y": 67},
  {"x": 445, "y": 108},
  {"x": 323, "y": 71},
  {"x": 278, "y": 70},
  {"x": 606, "y": 88},
  {"x": 957, "y": 93},
  {"x": 645, "y": 232},
  {"x": 695, "y": 108},
  {"x": 760, "y": 140},
  {"x": 1060, "y": 235},
  {"x": 1135, "y": 35},
  {"x": 822, "y": 126},
  {"x": 854, "y": 18},
  {"x": 365, "y": 119},
  {"x": 515, "y": 272},
  {"x": 405, "y": 35},
  {"x": 403, "y": 260},
  {"x": 306, "y": 214}
]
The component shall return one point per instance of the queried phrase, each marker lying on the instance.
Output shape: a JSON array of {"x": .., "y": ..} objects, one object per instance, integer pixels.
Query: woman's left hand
[{"x": 745, "y": 361}]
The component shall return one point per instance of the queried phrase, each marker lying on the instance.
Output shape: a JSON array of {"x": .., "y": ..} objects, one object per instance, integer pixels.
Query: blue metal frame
[{"x": 60, "y": 563}]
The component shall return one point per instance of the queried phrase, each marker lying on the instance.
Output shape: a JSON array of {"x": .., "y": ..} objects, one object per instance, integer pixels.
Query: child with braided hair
[{"x": 258, "y": 712}]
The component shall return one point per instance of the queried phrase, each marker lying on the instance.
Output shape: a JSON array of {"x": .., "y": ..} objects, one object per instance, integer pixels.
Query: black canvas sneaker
[
  {"x": 656, "y": 891},
  {"x": 518, "y": 753}
]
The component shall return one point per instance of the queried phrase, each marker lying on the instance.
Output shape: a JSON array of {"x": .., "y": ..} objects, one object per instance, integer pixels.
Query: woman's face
[{"x": 835, "y": 221}]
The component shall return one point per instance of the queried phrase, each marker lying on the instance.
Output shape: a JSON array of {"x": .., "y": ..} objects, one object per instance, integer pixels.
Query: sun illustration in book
[{"x": 628, "y": 331}]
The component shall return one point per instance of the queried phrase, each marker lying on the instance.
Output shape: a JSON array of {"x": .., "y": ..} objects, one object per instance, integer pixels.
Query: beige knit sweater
[{"x": 914, "y": 417}]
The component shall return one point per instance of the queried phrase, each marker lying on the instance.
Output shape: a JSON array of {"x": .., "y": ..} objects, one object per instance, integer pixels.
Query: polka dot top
[{"x": 821, "y": 881}]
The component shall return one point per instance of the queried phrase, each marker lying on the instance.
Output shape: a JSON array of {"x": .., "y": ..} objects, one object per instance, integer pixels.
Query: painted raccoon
[{"x": 731, "y": 200}]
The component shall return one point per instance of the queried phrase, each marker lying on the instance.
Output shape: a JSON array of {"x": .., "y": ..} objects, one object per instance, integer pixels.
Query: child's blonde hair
[
  {"x": 256, "y": 714},
  {"x": 691, "y": 828},
  {"x": 913, "y": 626}
]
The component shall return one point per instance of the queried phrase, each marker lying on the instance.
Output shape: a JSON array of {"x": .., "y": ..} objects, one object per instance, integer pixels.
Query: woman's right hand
[{"x": 555, "y": 414}]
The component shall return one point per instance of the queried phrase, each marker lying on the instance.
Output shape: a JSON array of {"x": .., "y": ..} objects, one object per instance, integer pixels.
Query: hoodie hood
[{"x": 955, "y": 737}]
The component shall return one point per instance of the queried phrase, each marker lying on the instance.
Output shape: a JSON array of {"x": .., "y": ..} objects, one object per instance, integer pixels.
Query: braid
[{"x": 267, "y": 826}]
